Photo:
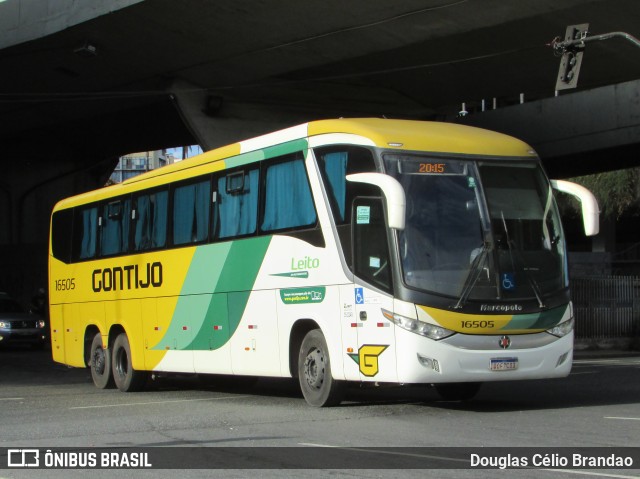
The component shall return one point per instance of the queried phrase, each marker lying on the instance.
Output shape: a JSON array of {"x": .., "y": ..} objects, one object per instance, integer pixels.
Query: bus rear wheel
[
  {"x": 458, "y": 391},
  {"x": 314, "y": 372},
  {"x": 100, "y": 364},
  {"x": 126, "y": 378}
]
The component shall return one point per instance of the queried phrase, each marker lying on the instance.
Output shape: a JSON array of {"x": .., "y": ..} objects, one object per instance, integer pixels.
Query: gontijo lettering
[{"x": 130, "y": 276}]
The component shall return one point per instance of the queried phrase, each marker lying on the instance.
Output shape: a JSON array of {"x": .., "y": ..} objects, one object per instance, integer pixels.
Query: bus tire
[
  {"x": 126, "y": 378},
  {"x": 457, "y": 391},
  {"x": 100, "y": 364},
  {"x": 314, "y": 372}
]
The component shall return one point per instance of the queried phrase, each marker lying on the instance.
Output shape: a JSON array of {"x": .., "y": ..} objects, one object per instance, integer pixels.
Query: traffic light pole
[
  {"x": 561, "y": 47},
  {"x": 572, "y": 49}
]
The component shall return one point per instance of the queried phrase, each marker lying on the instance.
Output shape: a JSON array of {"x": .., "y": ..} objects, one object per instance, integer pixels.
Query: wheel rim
[
  {"x": 314, "y": 369},
  {"x": 99, "y": 361}
]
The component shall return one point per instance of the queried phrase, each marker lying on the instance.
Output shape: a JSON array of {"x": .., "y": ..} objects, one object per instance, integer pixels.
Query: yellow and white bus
[{"x": 351, "y": 250}]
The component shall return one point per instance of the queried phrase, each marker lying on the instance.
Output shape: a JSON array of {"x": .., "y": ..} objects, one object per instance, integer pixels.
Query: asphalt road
[{"x": 47, "y": 405}]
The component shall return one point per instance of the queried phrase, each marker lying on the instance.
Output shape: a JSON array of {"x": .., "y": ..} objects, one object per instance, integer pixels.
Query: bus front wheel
[
  {"x": 100, "y": 364},
  {"x": 314, "y": 372},
  {"x": 126, "y": 378}
]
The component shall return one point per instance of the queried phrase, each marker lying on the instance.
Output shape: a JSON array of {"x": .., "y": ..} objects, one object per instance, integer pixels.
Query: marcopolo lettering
[
  {"x": 131, "y": 276},
  {"x": 500, "y": 308}
]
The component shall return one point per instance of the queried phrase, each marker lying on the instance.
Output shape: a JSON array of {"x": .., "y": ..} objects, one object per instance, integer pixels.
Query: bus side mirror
[
  {"x": 590, "y": 210},
  {"x": 393, "y": 195}
]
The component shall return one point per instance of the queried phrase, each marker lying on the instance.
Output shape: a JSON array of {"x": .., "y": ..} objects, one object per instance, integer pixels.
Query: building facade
[{"x": 134, "y": 164}]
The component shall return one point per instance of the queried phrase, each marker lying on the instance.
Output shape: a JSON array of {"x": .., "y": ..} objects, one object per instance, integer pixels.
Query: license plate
[{"x": 503, "y": 364}]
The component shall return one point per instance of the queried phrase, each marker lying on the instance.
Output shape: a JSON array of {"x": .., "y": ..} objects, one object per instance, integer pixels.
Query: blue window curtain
[
  {"x": 142, "y": 236},
  {"x": 238, "y": 211},
  {"x": 288, "y": 200},
  {"x": 191, "y": 213},
  {"x": 89, "y": 218},
  {"x": 335, "y": 167},
  {"x": 115, "y": 228},
  {"x": 159, "y": 202},
  {"x": 151, "y": 221}
]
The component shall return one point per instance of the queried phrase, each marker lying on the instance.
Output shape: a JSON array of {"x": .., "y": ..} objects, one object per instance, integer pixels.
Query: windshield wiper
[
  {"x": 525, "y": 269},
  {"x": 477, "y": 265}
]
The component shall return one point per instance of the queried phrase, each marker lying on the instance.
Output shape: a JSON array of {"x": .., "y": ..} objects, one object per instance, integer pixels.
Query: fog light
[
  {"x": 562, "y": 359},
  {"x": 429, "y": 362}
]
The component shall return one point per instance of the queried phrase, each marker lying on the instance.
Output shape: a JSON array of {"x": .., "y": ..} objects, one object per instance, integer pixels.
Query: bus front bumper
[{"x": 494, "y": 358}]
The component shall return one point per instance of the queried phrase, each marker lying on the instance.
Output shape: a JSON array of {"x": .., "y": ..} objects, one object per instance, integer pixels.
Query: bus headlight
[
  {"x": 419, "y": 327},
  {"x": 5, "y": 325},
  {"x": 562, "y": 329}
]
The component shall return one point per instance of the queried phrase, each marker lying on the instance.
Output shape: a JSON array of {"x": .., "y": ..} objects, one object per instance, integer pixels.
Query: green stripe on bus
[
  {"x": 205, "y": 269},
  {"x": 285, "y": 148},
  {"x": 243, "y": 264},
  {"x": 270, "y": 152},
  {"x": 244, "y": 159},
  {"x": 542, "y": 320},
  {"x": 230, "y": 268},
  {"x": 215, "y": 331}
]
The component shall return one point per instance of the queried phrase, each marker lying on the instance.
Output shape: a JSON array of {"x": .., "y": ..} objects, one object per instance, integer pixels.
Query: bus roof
[{"x": 408, "y": 135}]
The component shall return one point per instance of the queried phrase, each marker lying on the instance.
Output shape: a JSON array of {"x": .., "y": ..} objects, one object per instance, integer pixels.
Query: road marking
[
  {"x": 378, "y": 451},
  {"x": 589, "y": 473},
  {"x": 465, "y": 461},
  {"x": 606, "y": 362},
  {"x": 11, "y": 399},
  {"x": 584, "y": 372},
  {"x": 623, "y": 418},
  {"x": 155, "y": 402}
]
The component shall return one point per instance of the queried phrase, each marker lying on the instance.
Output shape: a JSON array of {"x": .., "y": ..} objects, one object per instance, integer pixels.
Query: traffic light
[{"x": 571, "y": 56}]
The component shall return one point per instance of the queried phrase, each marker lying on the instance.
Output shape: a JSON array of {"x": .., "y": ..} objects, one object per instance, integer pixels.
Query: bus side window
[
  {"x": 85, "y": 233},
  {"x": 236, "y": 204},
  {"x": 191, "y": 205},
  {"x": 150, "y": 230},
  {"x": 114, "y": 231},
  {"x": 370, "y": 243},
  {"x": 336, "y": 162},
  {"x": 61, "y": 240},
  {"x": 288, "y": 202}
]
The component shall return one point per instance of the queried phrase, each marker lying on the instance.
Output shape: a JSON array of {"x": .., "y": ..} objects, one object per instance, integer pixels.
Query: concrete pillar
[{"x": 28, "y": 191}]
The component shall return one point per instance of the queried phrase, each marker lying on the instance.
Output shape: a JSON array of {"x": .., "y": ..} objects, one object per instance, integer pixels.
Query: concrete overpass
[{"x": 85, "y": 82}]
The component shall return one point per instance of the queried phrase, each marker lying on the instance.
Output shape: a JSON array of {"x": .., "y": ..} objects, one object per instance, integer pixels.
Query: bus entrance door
[{"x": 375, "y": 355}]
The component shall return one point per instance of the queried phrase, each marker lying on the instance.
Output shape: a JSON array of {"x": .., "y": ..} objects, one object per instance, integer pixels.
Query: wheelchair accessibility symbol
[
  {"x": 359, "y": 296},
  {"x": 508, "y": 282}
]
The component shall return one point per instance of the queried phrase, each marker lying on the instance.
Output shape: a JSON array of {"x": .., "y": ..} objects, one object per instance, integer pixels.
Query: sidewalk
[
  {"x": 604, "y": 353},
  {"x": 608, "y": 348}
]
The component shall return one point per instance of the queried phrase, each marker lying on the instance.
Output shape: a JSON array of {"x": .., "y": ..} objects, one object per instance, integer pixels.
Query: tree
[{"x": 618, "y": 193}]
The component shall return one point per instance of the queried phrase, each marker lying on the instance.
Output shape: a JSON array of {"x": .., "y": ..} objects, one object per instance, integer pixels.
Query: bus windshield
[{"x": 479, "y": 230}]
